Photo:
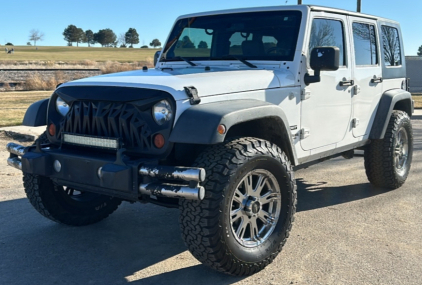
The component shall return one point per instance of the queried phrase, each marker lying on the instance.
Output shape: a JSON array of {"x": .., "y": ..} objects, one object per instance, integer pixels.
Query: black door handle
[
  {"x": 376, "y": 80},
  {"x": 347, "y": 83}
]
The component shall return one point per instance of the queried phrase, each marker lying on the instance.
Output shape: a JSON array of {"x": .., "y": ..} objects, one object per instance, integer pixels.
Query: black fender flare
[
  {"x": 36, "y": 114},
  {"x": 198, "y": 124},
  {"x": 386, "y": 106}
]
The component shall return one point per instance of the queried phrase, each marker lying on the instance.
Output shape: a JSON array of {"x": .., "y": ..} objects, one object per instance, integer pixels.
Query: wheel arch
[
  {"x": 395, "y": 99},
  {"x": 36, "y": 114},
  {"x": 269, "y": 128},
  {"x": 245, "y": 117}
]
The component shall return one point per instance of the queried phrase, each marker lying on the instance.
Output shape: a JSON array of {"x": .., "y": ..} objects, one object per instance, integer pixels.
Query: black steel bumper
[{"x": 108, "y": 174}]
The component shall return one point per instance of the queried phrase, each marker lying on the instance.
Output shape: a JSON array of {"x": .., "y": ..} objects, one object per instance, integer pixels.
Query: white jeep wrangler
[{"x": 236, "y": 101}]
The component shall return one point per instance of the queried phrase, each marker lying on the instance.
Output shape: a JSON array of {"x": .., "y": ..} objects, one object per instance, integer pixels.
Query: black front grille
[{"x": 107, "y": 119}]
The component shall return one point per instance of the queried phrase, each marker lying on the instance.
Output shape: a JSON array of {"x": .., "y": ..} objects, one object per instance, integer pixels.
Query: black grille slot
[{"x": 113, "y": 120}]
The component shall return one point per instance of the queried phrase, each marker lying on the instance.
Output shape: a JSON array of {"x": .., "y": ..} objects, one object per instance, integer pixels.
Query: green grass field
[
  {"x": 67, "y": 54},
  {"x": 13, "y": 105}
]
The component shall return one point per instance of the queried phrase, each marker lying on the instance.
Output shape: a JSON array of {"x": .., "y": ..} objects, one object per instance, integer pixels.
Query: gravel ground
[{"x": 346, "y": 232}]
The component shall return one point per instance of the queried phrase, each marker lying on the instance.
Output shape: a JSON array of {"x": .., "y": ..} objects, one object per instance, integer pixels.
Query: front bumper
[{"x": 108, "y": 174}]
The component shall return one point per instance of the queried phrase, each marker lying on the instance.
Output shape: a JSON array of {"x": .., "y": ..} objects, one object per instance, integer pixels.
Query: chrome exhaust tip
[
  {"x": 15, "y": 148},
  {"x": 172, "y": 191},
  {"x": 173, "y": 172},
  {"x": 15, "y": 162}
]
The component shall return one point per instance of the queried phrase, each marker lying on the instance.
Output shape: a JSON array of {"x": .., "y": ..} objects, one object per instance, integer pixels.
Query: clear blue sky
[{"x": 153, "y": 19}]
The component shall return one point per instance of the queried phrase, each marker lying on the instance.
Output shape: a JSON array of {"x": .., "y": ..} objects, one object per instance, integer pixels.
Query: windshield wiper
[
  {"x": 230, "y": 56},
  {"x": 182, "y": 58}
]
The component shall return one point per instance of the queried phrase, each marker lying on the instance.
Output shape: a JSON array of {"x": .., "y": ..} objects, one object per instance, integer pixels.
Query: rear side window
[
  {"x": 365, "y": 44},
  {"x": 326, "y": 32},
  {"x": 391, "y": 46}
]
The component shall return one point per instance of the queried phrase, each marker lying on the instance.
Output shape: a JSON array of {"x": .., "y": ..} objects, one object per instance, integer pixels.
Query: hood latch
[{"x": 192, "y": 93}]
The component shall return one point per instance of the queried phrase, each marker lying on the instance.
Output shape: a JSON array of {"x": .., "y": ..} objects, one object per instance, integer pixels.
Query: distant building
[{"x": 414, "y": 73}]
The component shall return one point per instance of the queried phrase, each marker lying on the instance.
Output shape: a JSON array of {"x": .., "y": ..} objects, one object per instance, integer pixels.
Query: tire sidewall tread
[
  {"x": 205, "y": 225},
  {"x": 379, "y": 155}
]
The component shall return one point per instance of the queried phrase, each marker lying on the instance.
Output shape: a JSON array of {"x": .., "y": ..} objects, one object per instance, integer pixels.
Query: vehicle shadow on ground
[
  {"x": 139, "y": 244},
  {"x": 314, "y": 196}
]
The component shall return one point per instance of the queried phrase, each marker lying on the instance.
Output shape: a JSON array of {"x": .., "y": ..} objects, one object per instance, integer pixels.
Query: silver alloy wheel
[
  {"x": 401, "y": 151},
  {"x": 255, "y": 208}
]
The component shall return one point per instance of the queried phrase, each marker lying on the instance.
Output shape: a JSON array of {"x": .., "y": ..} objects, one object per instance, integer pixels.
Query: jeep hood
[{"x": 213, "y": 82}]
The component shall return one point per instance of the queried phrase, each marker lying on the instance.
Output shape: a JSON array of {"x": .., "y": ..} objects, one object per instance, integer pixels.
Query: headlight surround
[
  {"x": 162, "y": 112},
  {"x": 61, "y": 106}
]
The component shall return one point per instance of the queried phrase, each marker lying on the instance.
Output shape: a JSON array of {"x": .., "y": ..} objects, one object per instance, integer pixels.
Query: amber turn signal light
[
  {"x": 221, "y": 129},
  {"x": 52, "y": 130},
  {"x": 159, "y": 140}
]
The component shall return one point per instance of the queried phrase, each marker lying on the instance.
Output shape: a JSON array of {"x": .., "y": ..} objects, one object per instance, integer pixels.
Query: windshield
[{"x": 248, "y": 36}]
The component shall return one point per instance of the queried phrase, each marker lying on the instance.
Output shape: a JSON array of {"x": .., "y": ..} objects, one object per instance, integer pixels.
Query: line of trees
[{"x": 104, "y": 37}]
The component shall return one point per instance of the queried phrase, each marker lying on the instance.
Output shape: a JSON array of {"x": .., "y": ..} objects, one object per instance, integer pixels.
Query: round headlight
[
  {"x": 162, "y": 112},
  {"x": 61, "y": 106}
]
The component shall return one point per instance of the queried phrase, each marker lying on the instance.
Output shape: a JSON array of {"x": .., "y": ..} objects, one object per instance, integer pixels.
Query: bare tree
[
  {"x": 122, "y": 40},
  {"x": 391, "y": 46},
  {"x": 322, "y": 34},
  {"x": 36, "y": 35}
]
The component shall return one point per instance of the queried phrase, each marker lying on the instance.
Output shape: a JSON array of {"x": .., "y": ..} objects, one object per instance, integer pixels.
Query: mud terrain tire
[
  {"x": 388, "y": 160},
  {"x": 65, "y": 205},
  {"x": 227, "y": 230}
]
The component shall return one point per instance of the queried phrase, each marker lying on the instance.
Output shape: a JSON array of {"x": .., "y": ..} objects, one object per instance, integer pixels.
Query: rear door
[{"x": 367, "y": 73}]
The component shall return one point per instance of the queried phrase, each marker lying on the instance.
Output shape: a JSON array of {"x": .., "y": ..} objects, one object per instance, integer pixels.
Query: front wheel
[
  {"x": 248, "y": 210},
  {"x": 67, "y": 205},
  {"x": 387, "y": 161}
]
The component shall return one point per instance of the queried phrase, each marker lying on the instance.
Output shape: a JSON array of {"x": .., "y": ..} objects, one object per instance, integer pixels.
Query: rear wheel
[
  {"x": 388, "y": 161},
  {"x": 248, "y": 210}
]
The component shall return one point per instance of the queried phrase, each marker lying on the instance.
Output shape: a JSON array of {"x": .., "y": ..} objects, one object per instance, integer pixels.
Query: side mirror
[
  {"x": 322, "y": 58},
  {"x": 156, "y": 56}
]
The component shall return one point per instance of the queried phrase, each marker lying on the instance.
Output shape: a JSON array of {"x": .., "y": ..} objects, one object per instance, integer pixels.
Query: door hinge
[
  {"x": 356, "y": 90},
  {"x": 304, "y": 133},
  {"x": 306, "y": 94},
  {"x": 355, "y": 122}
]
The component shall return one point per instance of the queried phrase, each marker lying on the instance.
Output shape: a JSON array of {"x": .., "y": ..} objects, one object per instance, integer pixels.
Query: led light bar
[{"x": 91, "y": 141}]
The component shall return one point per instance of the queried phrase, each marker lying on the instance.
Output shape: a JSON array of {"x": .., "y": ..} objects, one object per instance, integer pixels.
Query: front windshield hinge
[{"x": 192, "y": 93}]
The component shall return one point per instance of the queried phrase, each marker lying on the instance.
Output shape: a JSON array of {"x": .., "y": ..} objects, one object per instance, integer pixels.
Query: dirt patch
[{"x": 10, "y": 177}]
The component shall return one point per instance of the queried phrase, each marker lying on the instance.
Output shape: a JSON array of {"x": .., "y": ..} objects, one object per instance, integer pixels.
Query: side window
[
  {"x": 327, "y": 32},
  {"x": 365, "y": 44},
  {"x": 391, "y": 46}
]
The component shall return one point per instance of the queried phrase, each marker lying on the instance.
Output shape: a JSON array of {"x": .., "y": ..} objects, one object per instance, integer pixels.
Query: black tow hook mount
[
  {"x": 38, "y": 147},
  {"x": 192, "y": 92},
  {"x": 119, "y": 157}
]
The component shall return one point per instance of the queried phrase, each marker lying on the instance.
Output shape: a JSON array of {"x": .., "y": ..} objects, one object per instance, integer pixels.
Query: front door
[
  {"x": 367, "y": 73},
  {"x": 326, "y": 110}
]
